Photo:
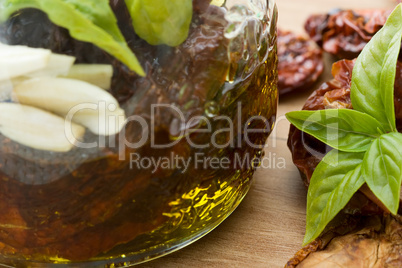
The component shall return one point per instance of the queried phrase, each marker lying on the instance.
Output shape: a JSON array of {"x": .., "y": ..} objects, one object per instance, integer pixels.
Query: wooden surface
[{"x": 268, "y": 227}]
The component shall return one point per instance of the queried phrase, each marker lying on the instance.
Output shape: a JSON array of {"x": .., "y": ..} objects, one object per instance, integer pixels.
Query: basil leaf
[
  {"x": 161, "y": 21},
  {"x": 382, "y": 169},
  {"x": 100, "y": 13},
  {"x": 87, "y": 20},
  {"x": 372, "y": 89},
  {"x": 335, "y": 180},
  {"x": 343, "y": 129}
]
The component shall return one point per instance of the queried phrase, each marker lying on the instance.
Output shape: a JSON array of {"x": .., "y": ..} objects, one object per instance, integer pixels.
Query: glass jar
[{"x": 181, "y": 160}]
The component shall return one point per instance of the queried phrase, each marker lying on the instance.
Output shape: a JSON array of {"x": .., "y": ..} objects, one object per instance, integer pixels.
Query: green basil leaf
[
  {"x": 161, "y": 21},
  {"x": 372, "y": 89},
  {"x": 382, "y": 169},
  {"x": 335, "y": 180},
  {"x": 87, "y": 20},
  {"x": 343, "y": 129}
]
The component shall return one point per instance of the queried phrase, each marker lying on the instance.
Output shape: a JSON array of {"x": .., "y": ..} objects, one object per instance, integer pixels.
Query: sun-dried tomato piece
[
  {"x": 344, "y": 33},
  {"x": 306, "y": 150},
  {"x": 300, "y": 62},
  {"x": 356, "y": 242}
]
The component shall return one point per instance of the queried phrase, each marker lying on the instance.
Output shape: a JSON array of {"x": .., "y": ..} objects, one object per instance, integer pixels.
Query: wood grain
[{"x": 268, "y": 227}]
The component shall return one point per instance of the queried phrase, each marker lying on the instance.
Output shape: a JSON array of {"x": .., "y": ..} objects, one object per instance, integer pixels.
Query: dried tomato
[
  {"x": 355, "y": 242},
  {"x": 300, "y": 62},
  {"x": 344, "y": 33}
]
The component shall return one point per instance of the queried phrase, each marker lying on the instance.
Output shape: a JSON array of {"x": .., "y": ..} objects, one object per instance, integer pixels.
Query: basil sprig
[{"x": 367, "y": 146}]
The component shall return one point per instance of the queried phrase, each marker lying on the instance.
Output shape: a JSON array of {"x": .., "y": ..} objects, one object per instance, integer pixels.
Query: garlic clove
[
  {"x": 59, "y": 95},
  {"x": 20, "y": 60},
  {"x": 96, "y": 74},
  {"x": 38, "y": 129},
  {"x": 86, "y": 104},
  {"x": 57, "y": 65},
  {"x": 105, "y": 122}
]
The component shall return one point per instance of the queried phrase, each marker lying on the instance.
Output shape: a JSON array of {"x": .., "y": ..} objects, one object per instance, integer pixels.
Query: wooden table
[{"x": 268, "y": 227}]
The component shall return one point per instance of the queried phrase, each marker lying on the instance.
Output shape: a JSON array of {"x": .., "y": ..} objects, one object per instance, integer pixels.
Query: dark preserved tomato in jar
[{"x": 126, "y": 130}]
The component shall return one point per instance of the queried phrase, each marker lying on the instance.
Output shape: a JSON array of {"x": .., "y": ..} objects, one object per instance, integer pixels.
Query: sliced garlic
[
  {"x": 20, "y": 60},
  {"x": 97, "y": 74},
  {"x": 86, "y": 104},
  {"x": 57, "y": 65},
  {"x": 38, "y": 129}
]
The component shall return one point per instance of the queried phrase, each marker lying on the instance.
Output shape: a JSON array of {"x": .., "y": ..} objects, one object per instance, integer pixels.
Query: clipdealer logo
[
  {"x": 237, "y": 132},
  {"x": 200, "y": 161}
]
